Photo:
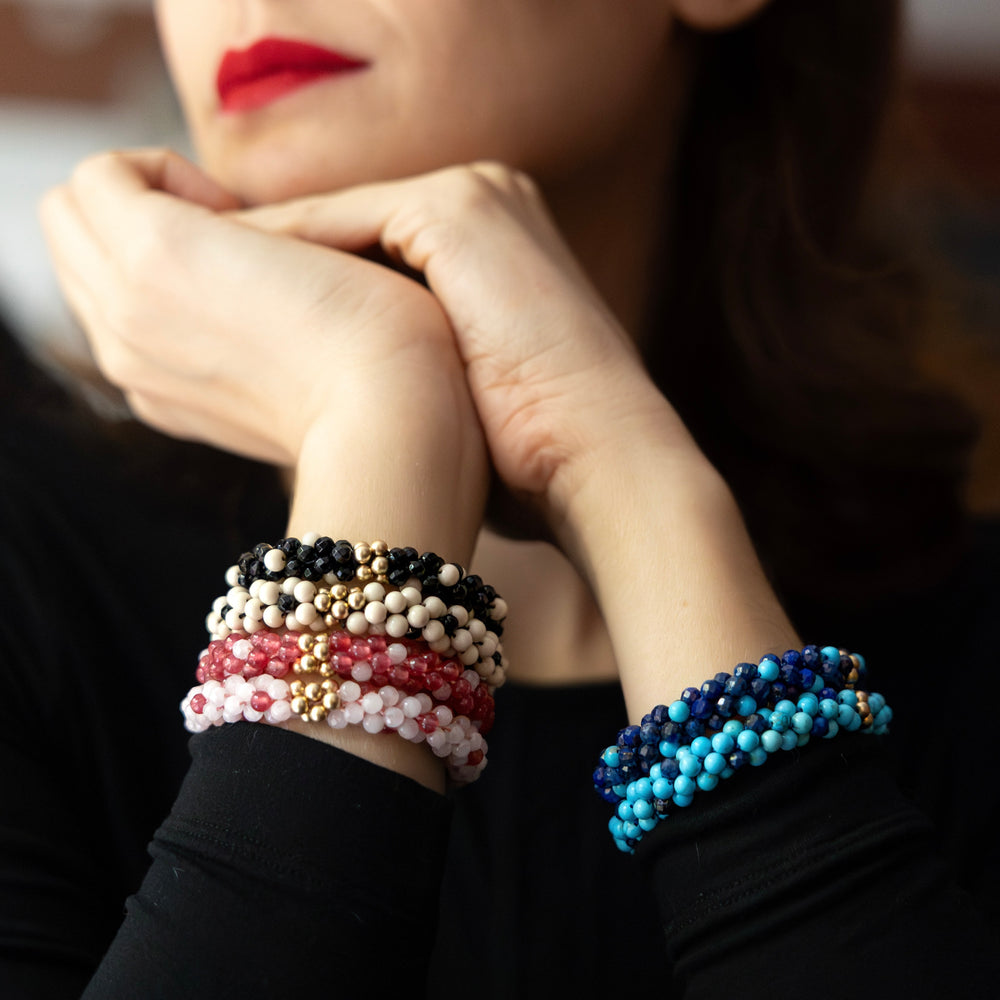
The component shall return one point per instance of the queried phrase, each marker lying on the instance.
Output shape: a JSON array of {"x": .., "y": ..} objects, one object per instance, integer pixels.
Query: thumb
[
  {"x": 180, "y": 177},
  {"x": 167, "y": 171}
]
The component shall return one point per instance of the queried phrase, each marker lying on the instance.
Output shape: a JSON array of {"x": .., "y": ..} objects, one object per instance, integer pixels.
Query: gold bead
[
  {"x": 322, "y": 649},
  {"x": 379, "y": 548},
  {"x": 322, "y": 601},
  {"x": 365, "y": 574},
  {"x": 306, "y": 665},
  {"x": 339, "y": 592},
  {"x": 362, "y": 552},
  {"x": 300, "y": 707},
  {"x": 330, "y": 621},
  {"x": 326, "y": 670},
  {"x": 317, "y": 713},
  {"x": 340, "y": 611},
  {"x": 313, "y": 691},
  {"x": 296, "y": 689},
  {"x": 356, "y": 600},
  {"x": 380, "y": 566},
  {"x": 306, "y": 642},
  {"x": 331, "y": 701}
]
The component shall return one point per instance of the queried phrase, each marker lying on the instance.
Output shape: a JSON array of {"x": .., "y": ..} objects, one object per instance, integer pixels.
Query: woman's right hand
[{"x": 262, "y": 344}]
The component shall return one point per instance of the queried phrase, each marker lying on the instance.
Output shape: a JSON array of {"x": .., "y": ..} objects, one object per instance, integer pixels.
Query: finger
[
  {"x": 72, "y": 242},
  {"x": 163, "y": 170},
  {"x": 79, "y": 260},
  {"x": 89, "y": 282},
  {"x": 348, "y": 220},
  {"x": 123, "y": 201}
]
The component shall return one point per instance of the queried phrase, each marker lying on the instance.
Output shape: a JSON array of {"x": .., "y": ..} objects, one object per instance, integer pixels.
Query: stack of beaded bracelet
[
  {"x": 318, "y": 584},
  {"x": 431, "y": 681},
  {"x": 731, "y": 721}
]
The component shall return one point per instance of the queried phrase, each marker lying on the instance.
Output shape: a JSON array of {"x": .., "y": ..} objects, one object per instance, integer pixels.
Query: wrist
[
  {"x": 657, "y": 533},
  {"x": 429, "y": 493}
]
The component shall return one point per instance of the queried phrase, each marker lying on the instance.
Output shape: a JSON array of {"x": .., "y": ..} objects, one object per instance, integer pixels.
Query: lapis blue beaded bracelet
[{"x": 731, "y": 721}]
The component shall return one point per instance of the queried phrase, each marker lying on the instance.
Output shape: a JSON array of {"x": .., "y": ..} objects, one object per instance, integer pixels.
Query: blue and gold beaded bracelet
[{"x": 731, "y": 721}]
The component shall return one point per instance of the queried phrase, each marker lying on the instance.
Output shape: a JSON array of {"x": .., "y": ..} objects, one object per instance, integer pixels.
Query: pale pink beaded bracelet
[{"x": 455, "y": 739}]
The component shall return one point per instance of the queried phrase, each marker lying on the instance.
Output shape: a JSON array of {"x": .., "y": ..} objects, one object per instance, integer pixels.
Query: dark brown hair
[{"x": 789, "y": 322}]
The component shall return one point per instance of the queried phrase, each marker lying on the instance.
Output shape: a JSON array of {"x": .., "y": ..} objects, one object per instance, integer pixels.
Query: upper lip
[{"x": 276, "y": 55}]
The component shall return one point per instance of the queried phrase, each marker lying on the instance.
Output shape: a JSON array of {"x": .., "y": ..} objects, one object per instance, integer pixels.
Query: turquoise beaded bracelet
[{"x": 731, "y": 721}]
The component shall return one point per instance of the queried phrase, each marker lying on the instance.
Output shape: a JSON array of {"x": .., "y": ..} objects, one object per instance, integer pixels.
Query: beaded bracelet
[
  {"x": 398, "y": 593},
  {"x": 372, "y": 662},
  {"x": 456, "y": 739},
  {"x": 731, "y": 721},
  {"x": 317, "y": 559}
]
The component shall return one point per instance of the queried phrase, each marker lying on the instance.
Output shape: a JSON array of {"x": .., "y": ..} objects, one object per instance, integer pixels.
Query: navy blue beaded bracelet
[{"x": 731, "y": 721}]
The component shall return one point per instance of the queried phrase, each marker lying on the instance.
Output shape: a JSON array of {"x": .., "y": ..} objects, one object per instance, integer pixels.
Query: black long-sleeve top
[{"x": 281, "y": 866}]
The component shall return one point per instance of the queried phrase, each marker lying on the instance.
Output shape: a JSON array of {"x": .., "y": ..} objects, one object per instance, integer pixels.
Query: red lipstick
[{"x": 255, "y": 77}]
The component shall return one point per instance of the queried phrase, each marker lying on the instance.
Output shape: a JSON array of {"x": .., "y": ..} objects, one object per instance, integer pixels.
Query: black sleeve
[
  {"x": 812, "y": 875},
  {"x": 286, "y": 866}
]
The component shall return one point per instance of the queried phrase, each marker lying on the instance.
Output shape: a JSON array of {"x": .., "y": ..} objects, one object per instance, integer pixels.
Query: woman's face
[{"x": 549, "y": 86}]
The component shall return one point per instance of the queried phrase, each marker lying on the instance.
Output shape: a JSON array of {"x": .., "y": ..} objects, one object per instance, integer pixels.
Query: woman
[{"x": 364, "y": 287}]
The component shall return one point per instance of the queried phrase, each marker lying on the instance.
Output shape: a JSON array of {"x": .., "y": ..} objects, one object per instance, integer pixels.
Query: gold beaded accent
[
  {"x": 316, "y": 655},
  {"x": 363, "y": 553},
  {"x": 380, "y": 567},
  {"x": 356, "y": 599},
  {"x": 323, "y": 601},
  {"x": 313, "y": 701},
  {"x": 864, "y": 710},
  {"x": 339, "y": 592}
]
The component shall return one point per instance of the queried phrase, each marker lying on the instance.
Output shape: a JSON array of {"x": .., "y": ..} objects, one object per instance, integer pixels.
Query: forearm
[{"x": 657, "y": 532}]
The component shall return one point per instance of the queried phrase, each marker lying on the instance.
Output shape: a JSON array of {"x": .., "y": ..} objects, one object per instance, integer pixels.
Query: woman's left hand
[{"x": 554, "y": 377}]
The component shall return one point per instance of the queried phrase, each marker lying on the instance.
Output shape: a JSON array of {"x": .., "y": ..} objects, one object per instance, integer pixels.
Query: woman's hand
[
  {"x": 293, "y": 353},
  {"x": 555, "y": 380}
]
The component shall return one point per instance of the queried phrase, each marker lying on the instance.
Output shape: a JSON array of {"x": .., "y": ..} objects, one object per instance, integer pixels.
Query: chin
[{"x": 265, "y": 172}]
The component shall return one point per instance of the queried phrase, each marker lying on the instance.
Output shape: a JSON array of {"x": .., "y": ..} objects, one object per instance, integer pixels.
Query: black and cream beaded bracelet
[
  {"x": 318, "y": 559},
  {"x": 368, "y": 602}
]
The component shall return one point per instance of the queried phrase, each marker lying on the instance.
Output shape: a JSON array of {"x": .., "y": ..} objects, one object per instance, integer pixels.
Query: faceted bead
[
  {"x": 702, "y": 708},
  {"x": 736, "y": 686}
]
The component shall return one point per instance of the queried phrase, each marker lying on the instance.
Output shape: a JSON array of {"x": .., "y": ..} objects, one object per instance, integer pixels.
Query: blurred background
[{"x": 78, "y": 76}]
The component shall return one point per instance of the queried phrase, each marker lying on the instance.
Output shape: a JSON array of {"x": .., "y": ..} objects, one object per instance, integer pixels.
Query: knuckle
[{"x": 509, "y": 180}]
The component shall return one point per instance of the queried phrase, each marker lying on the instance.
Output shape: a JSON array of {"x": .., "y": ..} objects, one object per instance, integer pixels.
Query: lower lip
[{"x": 259, "y": 93}]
